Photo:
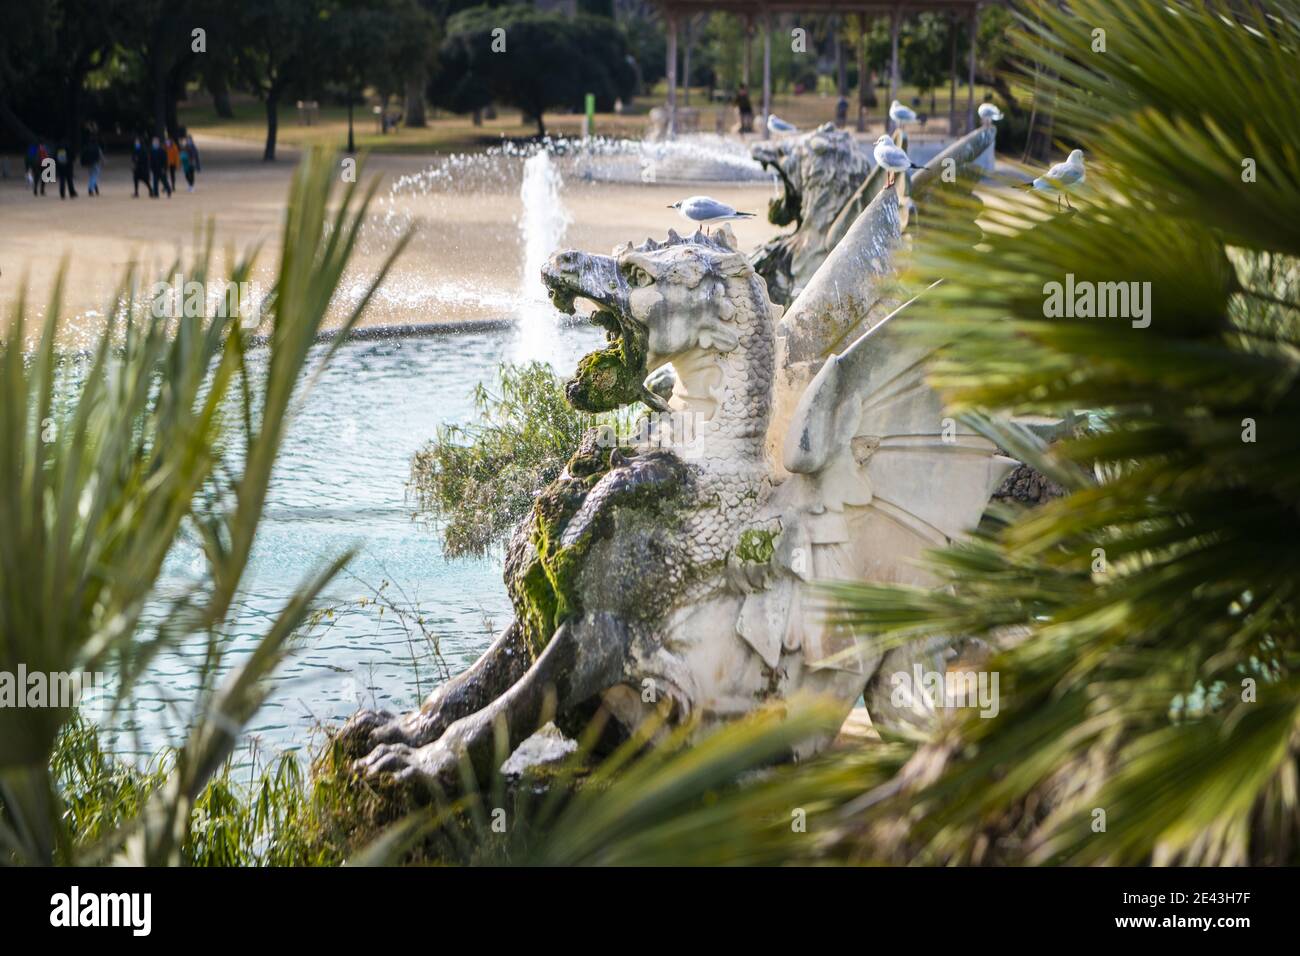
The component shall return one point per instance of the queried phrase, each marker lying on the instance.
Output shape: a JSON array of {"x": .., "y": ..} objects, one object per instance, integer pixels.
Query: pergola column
[
  {"x": 952, "y": 96},
  {"x": 672, "y": 72},
  {"x": 895, "y": 21},
  {"x": 749, "y": 50},
  {"x": 970, "y": 100},
  {"x": 767, "y": 72},
  {"x": 841, "y": 68},
  {"x": 864, "y": 75}
]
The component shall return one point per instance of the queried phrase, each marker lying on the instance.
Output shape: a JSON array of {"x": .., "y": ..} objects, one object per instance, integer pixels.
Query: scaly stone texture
[{"x": 819, "y": 172}]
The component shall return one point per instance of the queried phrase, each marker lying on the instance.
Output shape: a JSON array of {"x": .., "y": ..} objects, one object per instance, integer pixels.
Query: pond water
[
  {"x": 341, "y": 479},
  {"x": 340, "y": 482}
]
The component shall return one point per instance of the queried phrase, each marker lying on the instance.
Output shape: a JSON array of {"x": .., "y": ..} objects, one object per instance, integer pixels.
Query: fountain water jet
[{"x": 541, "y": 228}]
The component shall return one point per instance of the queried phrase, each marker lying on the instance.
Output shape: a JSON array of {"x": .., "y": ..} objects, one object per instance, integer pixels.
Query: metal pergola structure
[{"x": 762, "y": 11}]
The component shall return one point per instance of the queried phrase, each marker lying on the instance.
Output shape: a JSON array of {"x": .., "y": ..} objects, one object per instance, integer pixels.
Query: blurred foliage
[
  {"x": 247, "y": 814},
  {"x": 163, "y": 431},
  {"x": 1147, "y": 622}
]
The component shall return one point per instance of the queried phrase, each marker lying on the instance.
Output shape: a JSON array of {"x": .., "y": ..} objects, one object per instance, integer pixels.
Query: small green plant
[
  {"x": 476, "y": 481},
  {"x": 249, "y": 813}
]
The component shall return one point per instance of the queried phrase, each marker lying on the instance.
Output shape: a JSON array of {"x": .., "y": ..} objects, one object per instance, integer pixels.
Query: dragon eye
[{"x": 638, "y": 277}]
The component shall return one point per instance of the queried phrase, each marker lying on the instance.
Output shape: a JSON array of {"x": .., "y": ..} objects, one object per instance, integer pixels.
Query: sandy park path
[{"x": 465, "y": 263}]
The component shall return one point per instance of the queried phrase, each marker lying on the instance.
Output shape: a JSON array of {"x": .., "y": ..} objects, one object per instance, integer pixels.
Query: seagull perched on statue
[
  {"x": 1061, "y": 179},
  {"x": 707, "y": 211},
  {"x": 892, "y": 157},
  {"x": 777, "y": 125},
  {"x": 989, "y": 112},
  {"x": 901, "y": 114}
]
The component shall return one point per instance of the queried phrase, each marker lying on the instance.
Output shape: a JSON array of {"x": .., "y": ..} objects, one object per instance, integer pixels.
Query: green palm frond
[
  {"x": 106, "y": 460},
  {"x": 719, "y": 801},
  {"x": 1148, "y": 620}
]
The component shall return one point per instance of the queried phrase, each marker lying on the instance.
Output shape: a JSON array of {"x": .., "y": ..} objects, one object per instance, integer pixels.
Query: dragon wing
[
  {"x": 878, "y": 474},
  {"x": 871, "y": 471},
  {"x": 870, "y": 436}
]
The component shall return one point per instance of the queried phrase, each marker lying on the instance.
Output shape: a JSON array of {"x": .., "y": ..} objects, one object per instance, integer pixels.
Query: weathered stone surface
[
  {"x": 675, "y": 577},
  {"x": 819, "y": 172}
]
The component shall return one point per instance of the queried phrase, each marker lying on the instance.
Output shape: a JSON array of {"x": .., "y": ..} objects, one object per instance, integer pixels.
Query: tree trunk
[
  {"x": 220, "y": 91},
  {"x": 73, "y": 135},
  {"x": 541, "y": 127},
  {"x": 1003, "y": 89},
  {"x": 176, "y": 92},
  {"x": 173, "y": 115},
  {"x": 159, "y": 97},
  {"x": 352, "y": 143},
  {"x": 272, "y": 124},
  {"x": 414, "y": 105}
]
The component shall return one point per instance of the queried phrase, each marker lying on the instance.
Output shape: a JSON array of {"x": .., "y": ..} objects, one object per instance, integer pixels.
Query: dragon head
[
  {"x": 659, "y": 303},
  {"x": 818, "y": 171}
]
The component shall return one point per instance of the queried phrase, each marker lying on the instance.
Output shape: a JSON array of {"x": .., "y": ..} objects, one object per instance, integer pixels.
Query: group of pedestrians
[{"x": 155, "y": 165}]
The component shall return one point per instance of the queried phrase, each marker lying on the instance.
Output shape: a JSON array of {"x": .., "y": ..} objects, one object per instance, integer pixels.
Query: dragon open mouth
[
  {"x": 788, "y": 207},
  {"x": 615, "y": 375}
]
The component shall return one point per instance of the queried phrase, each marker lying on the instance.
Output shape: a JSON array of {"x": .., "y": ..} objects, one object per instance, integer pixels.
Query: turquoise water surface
[{"x": 340, "y": 482}]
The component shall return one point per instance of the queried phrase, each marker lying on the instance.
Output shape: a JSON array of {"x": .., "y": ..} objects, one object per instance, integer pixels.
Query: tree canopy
[{"x": 532, "y": 60}]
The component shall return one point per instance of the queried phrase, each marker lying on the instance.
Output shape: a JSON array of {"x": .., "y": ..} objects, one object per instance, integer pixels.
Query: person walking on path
[
  {"x": 158, "y": 168},
  {"x": 92, "y": 157},
  {"x": 139, "y": 168},
  {"x": 63, "y": 170},
  {"x": 39, "y": 156},
  {"x": 746, "y": 110},
  {"x": 173, "y": 162},
  {"x": 31, "y": 165},
  {"x": 191, "y": 152}
]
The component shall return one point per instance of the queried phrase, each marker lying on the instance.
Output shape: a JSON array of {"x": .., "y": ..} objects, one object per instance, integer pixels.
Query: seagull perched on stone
[
  {"x": 777, "y": 125},
  {"x": 707, "y": 211},
  {"x": 901, "y": 114},
  {"x": 1061, "y": 179},
  {"x": 989, "y": 112},
  {"x": 892, "y": 157}
]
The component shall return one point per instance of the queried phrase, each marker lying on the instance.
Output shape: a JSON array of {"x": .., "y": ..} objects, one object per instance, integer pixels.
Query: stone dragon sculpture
[
  {"x": 672, "y": 576},
  {"x": 819, "y": 173}
]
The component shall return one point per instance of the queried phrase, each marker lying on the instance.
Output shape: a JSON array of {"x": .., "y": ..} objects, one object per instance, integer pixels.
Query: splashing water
[
  {"x": 541, "y": 229},
  {"x": 692, "y": 158}
]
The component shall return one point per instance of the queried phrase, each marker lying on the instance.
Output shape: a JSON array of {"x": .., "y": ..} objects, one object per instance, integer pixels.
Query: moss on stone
[
  {"x": 756, "y": 546},
  {"x": 545, "y": 592},
  {"x": 614, "y": 376}
]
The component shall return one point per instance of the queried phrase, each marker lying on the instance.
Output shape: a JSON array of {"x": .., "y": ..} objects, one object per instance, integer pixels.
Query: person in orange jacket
[{"x": 173, "y": 161}]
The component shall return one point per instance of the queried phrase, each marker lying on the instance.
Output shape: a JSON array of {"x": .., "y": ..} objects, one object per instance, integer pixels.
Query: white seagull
[
  {"x": 990, "y": 112},
  {"x": 1061, "y": 179},
  {"x": 901, "y": 114},
  {"x": 891, "y": 156},
  {"x": 707, "y": 211},
  {"x": 777, "y": 125}
]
